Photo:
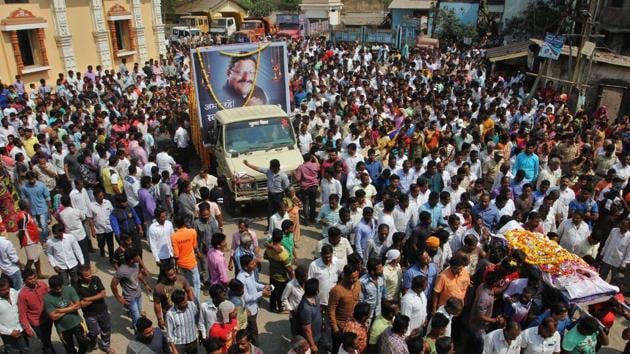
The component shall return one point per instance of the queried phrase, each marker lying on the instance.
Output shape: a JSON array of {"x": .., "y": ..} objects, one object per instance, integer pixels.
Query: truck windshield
[
  {"x": 288, "y": 26},
  {"x": 219, "y": 22},
  {"x": 259, "y": 134},
  {"x": 249, "y": 25}
]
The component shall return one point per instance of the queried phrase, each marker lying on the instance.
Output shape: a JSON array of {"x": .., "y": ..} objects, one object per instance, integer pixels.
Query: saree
[{"x": 8, "y": 201}]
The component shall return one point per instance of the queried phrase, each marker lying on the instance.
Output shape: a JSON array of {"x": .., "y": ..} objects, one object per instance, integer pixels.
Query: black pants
[
  {"x": 70, "y": 276},
  {"x": 252, "y": 328},
  {"x": 43, "y": 332},
  {"x": 17, "y": 345},
  {"x": 183, "y": 158},
  {"x": 85, "y": 249},
  {"x": 68, "y": 338},
  {"x": 274, "y": 200},
  {"x": 106, "y": 239},
  {"x": 309, "y": 197},
  {"x": 275, "y": 300},
  {"x": 190, "y": 348}
]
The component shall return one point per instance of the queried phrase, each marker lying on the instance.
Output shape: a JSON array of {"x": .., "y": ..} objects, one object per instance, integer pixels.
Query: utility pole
[{"x": 586, "y": 35}]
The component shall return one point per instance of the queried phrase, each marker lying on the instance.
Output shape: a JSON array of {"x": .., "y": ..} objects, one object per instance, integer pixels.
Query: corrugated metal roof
[
  {"x": 201, "y": 6},
  {"x": 247, "y": 113},
  {"x": 613, "y": 59},
  {"x": 411, "y": 4}
]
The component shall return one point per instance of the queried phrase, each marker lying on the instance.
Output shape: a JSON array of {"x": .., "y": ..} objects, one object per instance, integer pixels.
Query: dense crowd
[{"x": 416, "y": 163}]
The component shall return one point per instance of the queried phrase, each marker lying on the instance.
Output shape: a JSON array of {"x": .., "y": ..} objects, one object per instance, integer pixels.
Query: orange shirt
[
  {"x": 448, "y": 285},
  {"x": 184, "y": 243}
]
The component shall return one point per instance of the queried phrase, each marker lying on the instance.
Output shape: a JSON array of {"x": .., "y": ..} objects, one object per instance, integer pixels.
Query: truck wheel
[{"x": 230, "y": 204}]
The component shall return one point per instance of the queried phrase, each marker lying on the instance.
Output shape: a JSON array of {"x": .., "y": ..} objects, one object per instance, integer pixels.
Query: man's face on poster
[{"x": 241, "y": 76}]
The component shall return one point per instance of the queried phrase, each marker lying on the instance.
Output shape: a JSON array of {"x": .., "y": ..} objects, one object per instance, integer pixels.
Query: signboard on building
[
  {"x": 239, "y": 75},
  {"x": 552, "y": 47}
]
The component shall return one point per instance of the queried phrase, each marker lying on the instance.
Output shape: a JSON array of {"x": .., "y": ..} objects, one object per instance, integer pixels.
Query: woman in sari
[
  {"x": 8, "y": 198},
  {"x": 294, "y": 204}
]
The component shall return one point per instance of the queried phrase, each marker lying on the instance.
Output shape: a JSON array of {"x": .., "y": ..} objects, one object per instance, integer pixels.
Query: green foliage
[
  {"x": 246, "y": 4},
  {"x": 168, "y": 6},
  {"x": 450, "y": 28},
  {"x": 539, "y": 18},
  {"x": 261, "y": 8},
  {"x": 288, "y": 5}
]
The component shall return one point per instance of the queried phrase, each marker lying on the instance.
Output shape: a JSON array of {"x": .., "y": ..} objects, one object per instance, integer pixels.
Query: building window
[
  {"x": 615, "y": 3},
  {"x": 122, "y": 37},
  {"x": 25, "y": 42},
  {"x": 16, "y": 1}
]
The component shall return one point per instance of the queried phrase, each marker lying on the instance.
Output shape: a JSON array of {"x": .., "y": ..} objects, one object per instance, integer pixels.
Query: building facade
[{"x": 42, "y": 38}]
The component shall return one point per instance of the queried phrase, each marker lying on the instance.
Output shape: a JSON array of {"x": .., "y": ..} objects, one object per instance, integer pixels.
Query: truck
[
  {"x": 288, "y": 24},
  {"x": 253, "y": 28},
  {"x": 195, "y": 21},
  {"x": 225, "y": 23},
  {"x": 256, "y": 134},
  {"x": 180, "y": 32}
]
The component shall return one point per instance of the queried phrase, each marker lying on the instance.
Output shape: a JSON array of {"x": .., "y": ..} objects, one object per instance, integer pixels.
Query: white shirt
[
  {"x": 164, "y": 162},
  {"x": 275, "y": 222},
  {"x": 571, "y": 235},
  {"x": 146, "y": 169},
  {"x": 533, "y": 343},
  {"x": 209, "y": 182},
  {"x": 329, "y": 187},
  {"x": 305, "y": 141},
  {"x": 207, "y": 317},
  {"x": 447, "y": 330},
  {"x": 340, "y": 252},
  {"x": 71, "y": 219},
  {"x": 8, "y": 257},
  {"x": 100, "y": 214},
  {"x": 494, "y": 343},
  {"x": 292, "y": 295},
  {"x": 414, "y": 306},
  {"x": 65, "y": 253},
  {"x": 160, "y": 240},
  {"x": 131, "y": 186},
  {"x": 181, "y": 138},
  {"x": 616, "y": 251},
  {"x": 623, "y": 172},
  {"x": 80, "y": 200},
  {"x": 9, "y": 314},
  {"x": 566, "y": 197},
  {"x": 327, "y": 276}
]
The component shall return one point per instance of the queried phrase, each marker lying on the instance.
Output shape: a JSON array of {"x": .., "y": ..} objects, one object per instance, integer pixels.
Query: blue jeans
[
  {"x": 16, "y": 280},
  {"x": 135, "y": 309},
  {"x": 192, "y": 276},
  {"x": 42, "y": 222}
]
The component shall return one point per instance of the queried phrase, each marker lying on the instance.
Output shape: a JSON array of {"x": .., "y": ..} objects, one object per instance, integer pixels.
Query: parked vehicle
[
  {"x": 254, "y": 28},
  {"x": 179, "y": 32},
  {"x": 288, "y": 24},
  {"x": 225, "y": 26}
]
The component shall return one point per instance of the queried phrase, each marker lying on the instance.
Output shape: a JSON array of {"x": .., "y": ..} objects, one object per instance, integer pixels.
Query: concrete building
[
  {"x": 466, "y": 10},
  {"x": 614, "y": 22},
  {"x": 319, "y": 15},
  {"x": 415, "y": 12},
  {"x": 41, "y": 38}
]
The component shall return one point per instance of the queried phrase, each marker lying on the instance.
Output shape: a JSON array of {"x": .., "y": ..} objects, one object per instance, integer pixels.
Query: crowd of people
[{"x": 416, "y": 162}]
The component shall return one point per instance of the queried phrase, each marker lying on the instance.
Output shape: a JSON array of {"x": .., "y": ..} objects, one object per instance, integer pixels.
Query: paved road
[{"x": 274, "y": 328}]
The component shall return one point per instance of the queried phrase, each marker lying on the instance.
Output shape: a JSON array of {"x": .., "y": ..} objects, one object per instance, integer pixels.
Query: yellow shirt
[{"x": 29, "y": 146}]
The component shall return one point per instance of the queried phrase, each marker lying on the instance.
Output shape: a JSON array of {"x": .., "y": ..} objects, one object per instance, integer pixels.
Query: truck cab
[
  {"x": 180, "y": 32},
  {"x": 253, "y": 29},
  {"x": 288, "y": 25},
  {"x": 256, "y": 134},
  {"x": 225, "y": 26}
]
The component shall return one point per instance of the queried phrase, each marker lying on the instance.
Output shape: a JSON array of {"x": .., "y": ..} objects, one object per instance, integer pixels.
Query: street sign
[{"x": 552, "y": 47}]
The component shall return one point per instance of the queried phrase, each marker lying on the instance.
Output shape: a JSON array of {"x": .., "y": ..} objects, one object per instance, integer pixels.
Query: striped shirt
[{"x": 182, "y": 325}]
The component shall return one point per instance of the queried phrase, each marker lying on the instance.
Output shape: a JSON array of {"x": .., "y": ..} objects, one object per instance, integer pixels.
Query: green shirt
[
  {"x": 66, "y": 298},
  {"x": 278, "y": 263},
  {"x": 577, "y": 343},
  {"x": 289, "y": 245},
  {"x": 378, "y": 327}
]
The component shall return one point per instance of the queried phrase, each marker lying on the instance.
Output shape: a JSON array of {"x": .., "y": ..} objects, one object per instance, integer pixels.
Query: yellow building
[{"x": 42, "y": 38}]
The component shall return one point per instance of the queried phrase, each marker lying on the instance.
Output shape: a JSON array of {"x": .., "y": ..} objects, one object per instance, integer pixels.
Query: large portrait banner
[{"x": 233, "y": 76}]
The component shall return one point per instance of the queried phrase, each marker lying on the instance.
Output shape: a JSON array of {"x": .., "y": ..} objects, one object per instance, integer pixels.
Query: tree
[
  {"x": 538, "y": 19},
  {"x": 450, "y": 28},
  {"x": 261, "y": 8},
  {"x": 288, "y": 5}
]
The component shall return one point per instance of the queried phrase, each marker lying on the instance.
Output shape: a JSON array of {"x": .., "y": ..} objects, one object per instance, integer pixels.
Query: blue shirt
[
  {"x": 561, "y": 326},
  {"x": 363, "y": 232},
  {"x": 276, "y": 182},
  {"x": 436, "y": 214},
  {"x": 374, "y": 169},
  {"x": 331, "y": 216},
  {"x": 490, "y": 215},
  {"x": 38, "y": 197},
  {"x": 588, "y": 206},
  {"x": 129, "y": 223},
  {"x": 414, "y": 271},
  {"x": 372, "y": 293},
  {"x": 527, "y": 163},
  {"x": 253, "y": 291}
]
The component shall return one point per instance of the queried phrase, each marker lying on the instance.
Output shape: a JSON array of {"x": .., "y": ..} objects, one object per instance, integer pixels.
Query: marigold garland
[{"x": 206, "y": 78}]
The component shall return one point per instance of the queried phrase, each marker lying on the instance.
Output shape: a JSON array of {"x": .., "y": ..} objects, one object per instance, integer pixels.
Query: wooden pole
[{"x": 195, "y": 129}]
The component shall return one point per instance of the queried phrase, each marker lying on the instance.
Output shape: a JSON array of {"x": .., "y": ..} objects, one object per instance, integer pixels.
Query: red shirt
[
  {"x": 225, "y": 332},
  {"x": 31, "y": 305},
  {"x": 307, "y": 174}
]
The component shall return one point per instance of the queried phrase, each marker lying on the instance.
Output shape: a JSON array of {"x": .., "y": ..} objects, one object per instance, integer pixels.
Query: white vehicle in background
[
  {"x": 179, "y": 32},
  {"x": 224, "y": 26}
]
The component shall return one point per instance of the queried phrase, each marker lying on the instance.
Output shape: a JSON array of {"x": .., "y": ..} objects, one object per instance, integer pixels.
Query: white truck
[{"x": 224, "y": 26}]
